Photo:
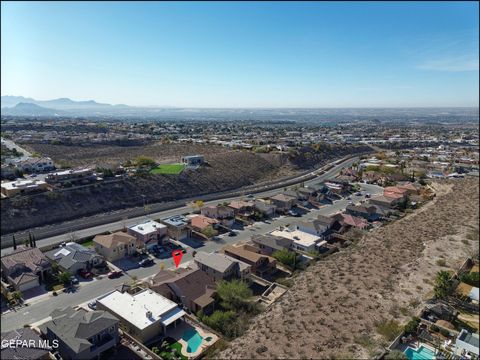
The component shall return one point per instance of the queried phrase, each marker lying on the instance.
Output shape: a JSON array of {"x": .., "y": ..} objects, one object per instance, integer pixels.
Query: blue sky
[{"x": 245, "y": 54}]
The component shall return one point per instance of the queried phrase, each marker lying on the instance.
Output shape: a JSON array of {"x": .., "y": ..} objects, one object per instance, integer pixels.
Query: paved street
[
  {"x": 117, "y": 225},
  {"x": 91, "y": 290}
]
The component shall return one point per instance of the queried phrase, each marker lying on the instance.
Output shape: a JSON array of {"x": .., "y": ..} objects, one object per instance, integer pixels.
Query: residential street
[{"x": 93, "y": 289}]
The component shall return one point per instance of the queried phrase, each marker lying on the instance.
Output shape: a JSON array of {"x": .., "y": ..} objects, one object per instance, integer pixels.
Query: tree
[
  {"x": 144, "y": 161},
  {"x": 209, "y": 231},
  {"x": 198, "y": 204},
  {"x": 220, "y": 320},
  {"x": 17, "y": 296},
  {"x": 287, "y": 258},
  {"x": 64, "y": 277},
  {"x": 233, "y": 294},
  {"x": 412, "y": 325},
  {"x": 396, "y": 355},
  {"x": 443, "y": 281}
]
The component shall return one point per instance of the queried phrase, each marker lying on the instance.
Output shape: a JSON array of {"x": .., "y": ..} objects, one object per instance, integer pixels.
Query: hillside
[{"x": 334, "y": 307}]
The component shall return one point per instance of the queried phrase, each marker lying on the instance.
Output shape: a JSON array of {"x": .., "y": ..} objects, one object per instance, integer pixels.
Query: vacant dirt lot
[{"x": 334, "y": 307}]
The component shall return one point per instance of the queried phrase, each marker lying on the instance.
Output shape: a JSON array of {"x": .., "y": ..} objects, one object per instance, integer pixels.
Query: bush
[
  {"x": 144, "y": 161},
  {"x": 472, "y": 278},
  {"x": 443, "y": 282},
  {"x": 233, "y": 294},
  {"x": 389, "y": 329},
  {"x": 412, "y": 325},
  {"x": 287, "y": 258}
]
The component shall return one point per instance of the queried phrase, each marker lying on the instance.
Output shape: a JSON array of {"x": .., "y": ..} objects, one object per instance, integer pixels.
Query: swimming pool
[
  {"x": 422, "y": 353},
  {"x": 193, "y": 340}
]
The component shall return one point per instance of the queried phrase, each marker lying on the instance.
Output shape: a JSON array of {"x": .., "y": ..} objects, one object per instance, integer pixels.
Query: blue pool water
[
  {"x": 193, "y": 339},
  {"x": 422, "y": 353}
]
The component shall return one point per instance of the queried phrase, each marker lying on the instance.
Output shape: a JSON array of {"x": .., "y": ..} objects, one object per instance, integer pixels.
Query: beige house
[{"x": 115, "y": 246}]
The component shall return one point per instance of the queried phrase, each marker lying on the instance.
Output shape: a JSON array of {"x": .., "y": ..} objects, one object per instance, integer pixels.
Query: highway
[{"x": 84, "y": 227}]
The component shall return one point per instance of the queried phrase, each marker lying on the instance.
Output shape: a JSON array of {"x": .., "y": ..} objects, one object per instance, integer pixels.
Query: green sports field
[{"x": 173, "y": 169}]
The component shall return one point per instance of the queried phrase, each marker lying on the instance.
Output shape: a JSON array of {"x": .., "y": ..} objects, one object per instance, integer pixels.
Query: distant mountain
[
  {"x": 29, "y": 109},
  {"x": 61, "y": 104},
  {"x": 11, "y": 101}
]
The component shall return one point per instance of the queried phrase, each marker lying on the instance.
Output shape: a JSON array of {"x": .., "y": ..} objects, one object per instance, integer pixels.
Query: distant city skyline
[{"x": 243, "y": 54}]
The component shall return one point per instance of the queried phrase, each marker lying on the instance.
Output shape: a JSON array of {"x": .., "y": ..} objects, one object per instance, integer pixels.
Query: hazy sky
[{"x": 250, "y": 54}]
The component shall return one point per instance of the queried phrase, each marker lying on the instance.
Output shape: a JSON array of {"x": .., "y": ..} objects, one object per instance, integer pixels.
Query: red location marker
[{"x": 177, "y": 257}]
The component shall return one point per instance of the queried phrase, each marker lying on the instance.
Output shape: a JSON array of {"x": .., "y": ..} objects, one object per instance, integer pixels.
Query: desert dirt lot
[{"x": 334, "y": 307}]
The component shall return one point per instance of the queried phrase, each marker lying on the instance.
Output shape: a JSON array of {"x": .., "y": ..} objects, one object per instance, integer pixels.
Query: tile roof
[
  {"x": 115, "y": 239},
  {"x": 22, "y": 265},
  {"x": 242, "y": 253},
  {"x": 22, "y": 352},
  {"x": 201, "y": 221},
  {"x": 272, "y": 241},
  {"x": 215, "y": 261}
]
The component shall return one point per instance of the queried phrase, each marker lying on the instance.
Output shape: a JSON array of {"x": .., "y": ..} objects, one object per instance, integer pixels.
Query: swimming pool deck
[{"x": 177, "y": 334}]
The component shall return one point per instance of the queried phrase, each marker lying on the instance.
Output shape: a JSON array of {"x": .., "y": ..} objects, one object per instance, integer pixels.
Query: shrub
[
  {"x": 412, "y": 325},
  {"x": 389, "y": 329},
  {"x": 443, "y": 283},
  {"x": 472, "y": 278},
  {"x": 286, "y": 257},
  {"x": 233, "y": 294},
  {"x": 441, "y": 262}
]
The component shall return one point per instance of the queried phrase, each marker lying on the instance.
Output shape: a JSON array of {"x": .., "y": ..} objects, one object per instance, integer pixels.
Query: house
[
  {"x": 148, "y": 233},
  {"x": 395, "y": 192},
  {"x": 34, "y": 165},
  {"x": 260, "y": 264},
  {"x": 384, "y": 202},
  {"x": 242, "y": 209},
  {"x": 264, "y": 208},
  {"x": 224, "y": 214},
  {"x": 302, "y": 241},
  {"x": 177, "y": 227},
  {"x": 81, "y": 334},
  {"x": 369, "y": 213},
  {"x": 347, "y": 220},
  {"x": 338, "y": 185},
  {"x": 321, "y": 227},
  {"x": 200, "y": 222},
  {"x": 221, "y": 266},
  {"x": 73, "y": 257},
  {"x": 144, "y": 315},
  {"x": 192, "y": 288},
  {"x": 283, "y": 202},
  {"x": 115, "y": 246},
  {"x": 12, "y": 188},
  {"x": 410, "y": 188},
  {"x": 467, "y": 344},
  {"x": 10, "y": 349},
  {"x": 8, "y": 171},
  {"x": 268, "y": 243},
  {"x": 193, "y": 160},
  {"x": 73, "y": 176},
  {"x": 25, "y": 268}
]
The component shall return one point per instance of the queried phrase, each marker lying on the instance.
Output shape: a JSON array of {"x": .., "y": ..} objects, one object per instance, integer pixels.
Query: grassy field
[{"x": 173, "y": 169}]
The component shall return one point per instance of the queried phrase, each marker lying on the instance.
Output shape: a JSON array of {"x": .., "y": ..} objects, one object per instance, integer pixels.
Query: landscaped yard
[
  {"x": 172, "y": 169},
  {"x": 169, "y": 348},
  {"x": 88, "y": 243}
]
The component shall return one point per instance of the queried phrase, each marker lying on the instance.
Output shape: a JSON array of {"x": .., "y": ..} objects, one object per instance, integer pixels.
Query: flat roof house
[
  {"x": 25, "y": 268},
  {"x": 12, "y": 188},
  {"x": 467, "y": 344},
  {"x": 148, "y": 233},
  {"x": 144, "y": 315},
  {"x": 73, "y": 257},
  {"x": 177, "y": 227},
  {"x": 301, "y": 240},
  {"x": 190, "y": 287},
  {"x": 115, "y": 246},
  {"x": 193, "y": 160},
  {"x": 81, "y": 334},
  {"x": 221, "y": 266}
]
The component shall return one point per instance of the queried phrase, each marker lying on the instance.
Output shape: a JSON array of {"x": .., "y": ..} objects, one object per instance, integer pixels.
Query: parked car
[
  {"x": 74, "y": 280},
  {"x": 358, "y": 193},
  {"x": 367, "y": 195},
  {"x": 114, "y": 274},
  {"x": 251, "y": 196},
  {"x": 145, "y": 262},
  {"x": 349, "y": 198},
  {"x": 93, "y": 305},
  {"x": 293, "y": 213},
  {"x": 85, "y": 273},
  {"x": 232, "y": 233}
]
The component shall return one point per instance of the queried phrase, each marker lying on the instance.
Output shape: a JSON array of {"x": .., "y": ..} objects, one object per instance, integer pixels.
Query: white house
[
  {"x": 467, "y": 344},
  {"x": 301, "y": 240},
  {"x": 149, "y": 232},
  {"x": 144, "y": 315}
]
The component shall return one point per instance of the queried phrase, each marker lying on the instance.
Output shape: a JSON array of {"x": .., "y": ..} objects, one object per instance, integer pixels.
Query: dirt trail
[{"x": 384, "y": 276}]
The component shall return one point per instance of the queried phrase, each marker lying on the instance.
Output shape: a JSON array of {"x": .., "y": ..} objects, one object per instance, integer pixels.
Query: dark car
[
  {"x": 92, "y": 305},
  {"x": 85, "y": 273},
  {"x": 293, "y": 213},
  {"x": 114, "y": 274},
  {"x": 146, "y": 262},
  {"x": 74, "y": 280},
  {"x": 232, "y": 233}
]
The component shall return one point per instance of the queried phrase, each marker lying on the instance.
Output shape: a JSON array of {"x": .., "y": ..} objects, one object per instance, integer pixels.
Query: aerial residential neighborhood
[{"x": 239, "y": 180}]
